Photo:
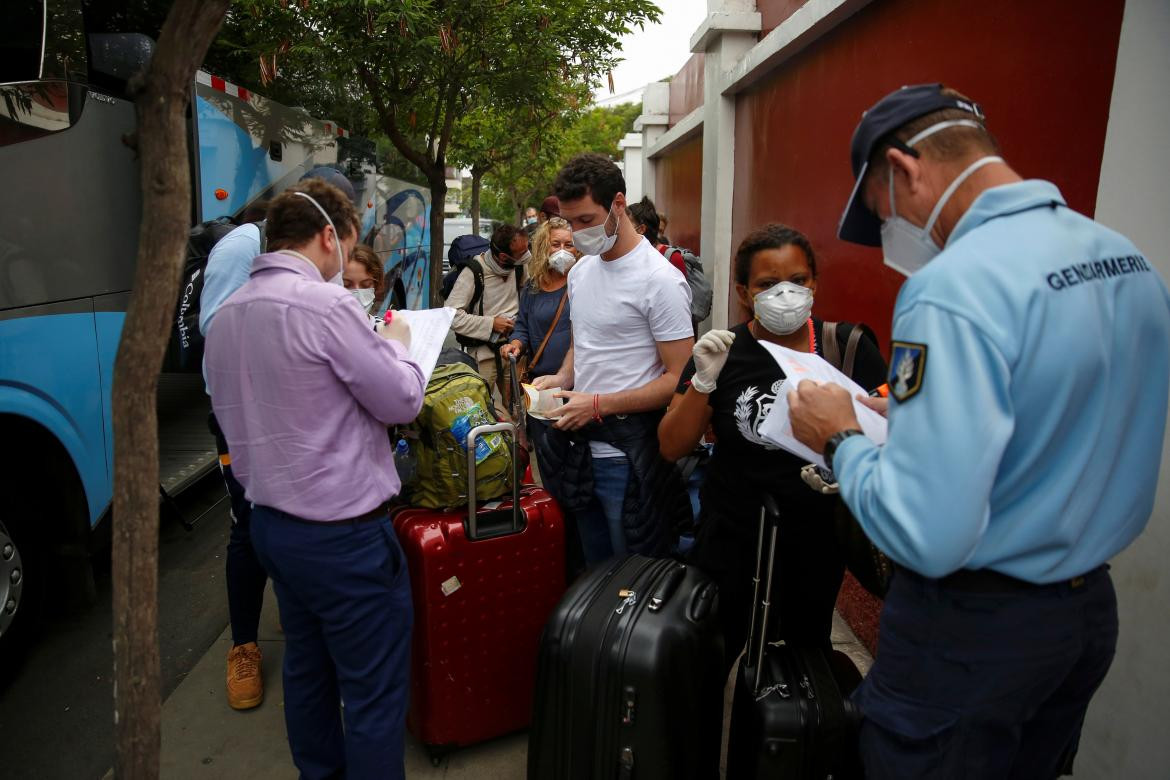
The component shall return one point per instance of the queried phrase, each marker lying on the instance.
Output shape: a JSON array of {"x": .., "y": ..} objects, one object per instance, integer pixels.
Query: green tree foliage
[
  {"x": 525, "y": 180},
  {"x": 422, "y": 65}
]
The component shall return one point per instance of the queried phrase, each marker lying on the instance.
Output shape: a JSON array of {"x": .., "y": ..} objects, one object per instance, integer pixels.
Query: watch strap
[{"x": 835, "y": 441}]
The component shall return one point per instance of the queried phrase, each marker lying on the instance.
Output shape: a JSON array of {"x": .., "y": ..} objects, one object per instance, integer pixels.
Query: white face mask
[
  {"x": 594, "y": 240},
  {"x": 907, "y": 247},
  {"x": 336, "y": 278},
  {"x": 561, "y": 261},
  {"x": 365, "y": 296},
  {"x": 784, "y": 307}
]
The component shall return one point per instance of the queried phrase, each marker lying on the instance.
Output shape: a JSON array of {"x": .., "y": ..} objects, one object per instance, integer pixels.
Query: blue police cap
[
  {"x": 332, "y": 176},
  {"x": 859, "y": 224}
]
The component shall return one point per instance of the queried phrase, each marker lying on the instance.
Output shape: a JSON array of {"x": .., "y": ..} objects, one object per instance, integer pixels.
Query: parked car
[{"x": 453, "y": 227}]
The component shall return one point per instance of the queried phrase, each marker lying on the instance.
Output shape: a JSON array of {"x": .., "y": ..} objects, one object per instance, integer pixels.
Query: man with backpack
[
  {"x": 647, "y": 221},
  {"x": 486, "y": 297}
]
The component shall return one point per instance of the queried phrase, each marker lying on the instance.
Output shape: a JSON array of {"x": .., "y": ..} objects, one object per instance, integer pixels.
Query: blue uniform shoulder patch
[{"x": 907, "y": 369}]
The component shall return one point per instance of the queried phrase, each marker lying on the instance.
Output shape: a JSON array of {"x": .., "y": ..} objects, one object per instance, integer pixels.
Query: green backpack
[{"x": 457, "y": 399}]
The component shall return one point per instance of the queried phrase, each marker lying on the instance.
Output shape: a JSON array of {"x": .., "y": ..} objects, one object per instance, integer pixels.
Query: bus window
[
  {"x": 22, "y": 40},
  {"x": 64, "y": 56}
]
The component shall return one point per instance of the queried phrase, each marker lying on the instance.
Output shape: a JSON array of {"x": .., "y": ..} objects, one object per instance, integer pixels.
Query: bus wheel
[{"x": 20, "y": 593}]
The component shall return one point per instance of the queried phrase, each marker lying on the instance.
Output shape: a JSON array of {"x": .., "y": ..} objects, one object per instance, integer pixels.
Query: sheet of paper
[
  {"x": 540, "y": 403},
  {"x": 428, "y": 331},
  {"x": 797, "y": 367}
]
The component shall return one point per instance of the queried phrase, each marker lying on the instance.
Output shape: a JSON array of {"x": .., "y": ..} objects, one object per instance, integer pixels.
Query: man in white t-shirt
[{"x": 632, "y": 336}]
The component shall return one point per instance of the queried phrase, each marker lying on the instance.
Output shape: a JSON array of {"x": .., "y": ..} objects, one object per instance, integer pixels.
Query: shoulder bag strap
[
  {"x": 851, "y": 350},
  {"x": 830, "y": 345},
  {"x": 551, "y": 328}
]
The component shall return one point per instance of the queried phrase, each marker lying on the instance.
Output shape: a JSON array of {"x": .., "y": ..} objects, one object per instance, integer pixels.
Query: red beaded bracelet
[{"x": 596, "y": 407}]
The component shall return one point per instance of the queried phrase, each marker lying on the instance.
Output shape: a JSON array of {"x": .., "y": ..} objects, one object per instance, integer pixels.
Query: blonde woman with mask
[
  {"x": 543, "y": 333},
  {"x": 542, "y": 326}
]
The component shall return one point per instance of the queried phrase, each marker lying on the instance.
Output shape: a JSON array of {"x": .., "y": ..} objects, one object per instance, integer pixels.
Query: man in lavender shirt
[{"x": 304, "y": 390}]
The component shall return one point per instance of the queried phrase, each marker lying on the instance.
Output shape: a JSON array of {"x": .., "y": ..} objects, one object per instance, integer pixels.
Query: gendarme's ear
[{"x": 905, "y": 168}]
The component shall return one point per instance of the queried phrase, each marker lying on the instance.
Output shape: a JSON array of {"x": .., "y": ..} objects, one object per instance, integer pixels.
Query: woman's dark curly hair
[{"x": 771, "y": 236}]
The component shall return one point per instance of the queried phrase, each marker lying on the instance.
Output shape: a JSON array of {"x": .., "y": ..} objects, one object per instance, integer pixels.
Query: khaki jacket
[{"x": 499, "y": 298}]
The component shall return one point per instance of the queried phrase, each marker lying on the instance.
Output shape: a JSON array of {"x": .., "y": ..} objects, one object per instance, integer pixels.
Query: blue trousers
[
  {"x": 344, "y": 596},
  {"x": 246, "y": 578},
  {"x": 969, "y": 685},
  {"x": 600, "y": 525}
]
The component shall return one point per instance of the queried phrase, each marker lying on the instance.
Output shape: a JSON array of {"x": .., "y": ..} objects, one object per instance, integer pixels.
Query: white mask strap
[
  {"x": 336, "y": 235},
  {"x": 927, "y": 133},
  {"x": 943, "y": 126},
  {"x": 950, "y": 190}
]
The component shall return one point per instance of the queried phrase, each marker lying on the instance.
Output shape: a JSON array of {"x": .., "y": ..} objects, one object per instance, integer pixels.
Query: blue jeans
[
  {"x": 600, "y": 525},
  {"x": 344, "y": 595}
]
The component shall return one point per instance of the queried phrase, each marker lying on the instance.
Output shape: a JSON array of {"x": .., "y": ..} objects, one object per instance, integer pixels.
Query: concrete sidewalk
[{"x": 204, "y": 738}]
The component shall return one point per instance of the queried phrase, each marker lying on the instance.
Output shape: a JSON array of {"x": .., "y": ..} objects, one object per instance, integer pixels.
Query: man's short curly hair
[
  {"x": 590, "y": 174},
  {"x": 293, "y": 221}
]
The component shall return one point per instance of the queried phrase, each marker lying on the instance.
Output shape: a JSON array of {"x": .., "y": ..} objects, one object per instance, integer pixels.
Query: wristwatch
[{"x": 835, "y": 441}]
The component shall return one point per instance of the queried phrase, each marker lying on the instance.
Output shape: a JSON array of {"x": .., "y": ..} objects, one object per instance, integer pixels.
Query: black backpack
[
  {"x": 200, "y": 241},
  {"x": 462, "y": 249}
]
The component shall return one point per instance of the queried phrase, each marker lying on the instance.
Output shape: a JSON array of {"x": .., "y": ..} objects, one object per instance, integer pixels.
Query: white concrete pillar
[
  {"x": 631, "y": 145},
  {"x": 1125, "y": 730},
  {"x": 652, "y": 124},
  {"x": 732, "y": 27}
]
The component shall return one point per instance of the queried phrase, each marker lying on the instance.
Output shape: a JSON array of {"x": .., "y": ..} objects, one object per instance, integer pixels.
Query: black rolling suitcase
[
  {"x": 628, "y": 679},
  {"x": 790, "y": 719}
]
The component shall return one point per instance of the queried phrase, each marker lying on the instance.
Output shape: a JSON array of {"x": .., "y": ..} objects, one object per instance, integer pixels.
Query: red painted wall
[
  {"x": 1043, "y": 71},
  {"x": 679, "y": 189},
  {"x": 686, "y": 89},
  {"x": 773, "y": 12}
]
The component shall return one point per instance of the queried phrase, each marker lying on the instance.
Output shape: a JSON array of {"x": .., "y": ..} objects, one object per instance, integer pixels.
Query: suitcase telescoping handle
[
  {"x": 517, "y": 404},
  {"x": 761, "y": 605},
  {"x": 472, "y": 504}
]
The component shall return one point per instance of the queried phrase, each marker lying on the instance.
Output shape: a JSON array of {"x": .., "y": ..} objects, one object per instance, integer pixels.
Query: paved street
[
  {"x": 56, "y": 714},
  {"x": 56, "y": 711}
]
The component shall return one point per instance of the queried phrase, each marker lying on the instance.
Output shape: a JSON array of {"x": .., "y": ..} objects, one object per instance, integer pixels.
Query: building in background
[
  {"x": 756, "y": 128},
  {"x": 453, "y": 203}
]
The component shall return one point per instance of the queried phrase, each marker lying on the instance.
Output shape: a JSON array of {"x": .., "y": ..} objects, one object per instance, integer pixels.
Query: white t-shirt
[{"x": 621, "y": 309}]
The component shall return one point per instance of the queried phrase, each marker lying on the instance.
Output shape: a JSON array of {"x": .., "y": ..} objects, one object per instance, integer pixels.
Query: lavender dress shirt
[{"x": 304, "y": 390}]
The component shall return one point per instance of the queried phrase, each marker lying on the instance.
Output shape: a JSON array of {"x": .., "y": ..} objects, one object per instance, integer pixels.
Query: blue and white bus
[{"x": 69, "y": 217}]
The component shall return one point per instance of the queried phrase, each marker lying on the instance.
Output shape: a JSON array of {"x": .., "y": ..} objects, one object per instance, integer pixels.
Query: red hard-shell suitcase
[{"x": 483, "y": 585}]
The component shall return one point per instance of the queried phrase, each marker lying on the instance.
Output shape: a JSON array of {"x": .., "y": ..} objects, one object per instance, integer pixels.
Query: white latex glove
[
  {"x": 710, "y": 353},
  {"x": 398, "y": 329},
  {"x": 815, "y": 477}
]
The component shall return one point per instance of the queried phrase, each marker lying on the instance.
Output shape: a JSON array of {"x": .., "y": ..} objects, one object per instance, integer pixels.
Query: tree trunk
[
  {"x": 437, "y": 180},
  {"x": 476, "y": 182},
  {"x": 161, "y": 134}
]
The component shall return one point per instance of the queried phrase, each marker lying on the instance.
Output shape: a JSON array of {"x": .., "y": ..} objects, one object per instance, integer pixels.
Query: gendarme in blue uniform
[{"x": 1030, "y": 367}]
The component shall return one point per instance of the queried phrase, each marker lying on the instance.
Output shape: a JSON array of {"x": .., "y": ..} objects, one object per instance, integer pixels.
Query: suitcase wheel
[{"x": 438, "y": 752}]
